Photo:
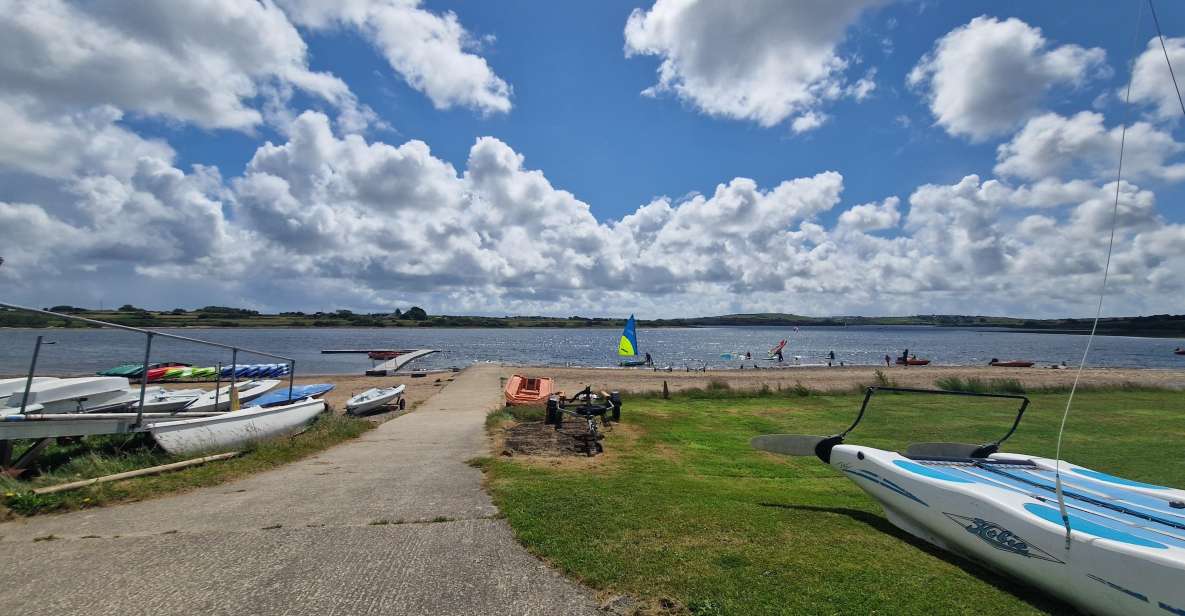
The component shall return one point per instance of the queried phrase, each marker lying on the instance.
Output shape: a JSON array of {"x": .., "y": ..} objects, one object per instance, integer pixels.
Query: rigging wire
[
  {"x": 1057, "y": 472},
  {"x": 1160, "y": 35}
]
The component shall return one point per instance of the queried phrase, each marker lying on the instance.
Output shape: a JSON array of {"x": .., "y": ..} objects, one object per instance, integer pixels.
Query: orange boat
[
  {"x": 912, "y": 361},
  {"x": 522, "y": 390}
]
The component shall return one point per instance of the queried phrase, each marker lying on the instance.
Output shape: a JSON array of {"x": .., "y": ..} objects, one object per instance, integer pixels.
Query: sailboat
[
  {"x": 776, "y": 351},
  {"x": 628, "y": 345},
  {"x": 1124, "y": 552}
]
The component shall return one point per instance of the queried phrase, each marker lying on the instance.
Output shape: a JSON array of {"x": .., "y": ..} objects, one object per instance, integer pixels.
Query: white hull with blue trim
[{"x": 1127, "y": 545}]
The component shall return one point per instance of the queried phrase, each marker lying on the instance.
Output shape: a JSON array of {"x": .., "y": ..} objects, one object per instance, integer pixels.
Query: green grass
[
  {"x": 682, "y": 509},
  {"x": 97, "y": 456}
]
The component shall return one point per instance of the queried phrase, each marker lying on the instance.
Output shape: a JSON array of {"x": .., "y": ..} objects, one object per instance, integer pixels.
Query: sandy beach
[{"x": 638, "y": 380}]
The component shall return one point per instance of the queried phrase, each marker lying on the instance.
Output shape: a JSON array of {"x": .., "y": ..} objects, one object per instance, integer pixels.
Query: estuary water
[{"x": 88, "y": 350}]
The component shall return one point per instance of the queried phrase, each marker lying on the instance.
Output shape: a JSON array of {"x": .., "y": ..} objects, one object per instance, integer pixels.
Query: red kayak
[{"x": 1011, "y": 364}]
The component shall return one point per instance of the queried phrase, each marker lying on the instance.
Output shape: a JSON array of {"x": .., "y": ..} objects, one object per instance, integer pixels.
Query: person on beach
[
  {"x": 888, "y": 360},
  {"x": 649, "y": 361},
  {"x": 830, "y": 357}
]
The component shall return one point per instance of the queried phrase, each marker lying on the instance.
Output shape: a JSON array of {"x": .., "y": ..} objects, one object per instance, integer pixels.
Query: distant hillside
[{"x": 1161, "y": 325}]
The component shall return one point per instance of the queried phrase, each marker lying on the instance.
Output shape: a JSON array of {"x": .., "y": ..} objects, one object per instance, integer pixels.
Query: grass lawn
[
  {"x": 96, "y": 456},
  {"x": 682, "y": 509}
]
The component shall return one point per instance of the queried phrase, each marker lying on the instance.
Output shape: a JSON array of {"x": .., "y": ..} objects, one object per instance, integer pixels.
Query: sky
[{"x": 668, "y": 158}]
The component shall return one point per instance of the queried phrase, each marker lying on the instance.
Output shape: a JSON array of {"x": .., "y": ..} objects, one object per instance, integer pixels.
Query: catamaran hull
[
  {"x": 235, "y": 429},
  {"x": 1113, "y": 566}
]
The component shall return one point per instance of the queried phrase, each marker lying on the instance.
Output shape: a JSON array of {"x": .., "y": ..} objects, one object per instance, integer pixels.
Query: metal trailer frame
[{"x": 79, "y": 425}]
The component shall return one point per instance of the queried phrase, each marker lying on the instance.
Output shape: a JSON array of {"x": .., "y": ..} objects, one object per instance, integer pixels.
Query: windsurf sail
[
  {"x": 628, "y": 345},
  {"x": 774, "y": 351}
]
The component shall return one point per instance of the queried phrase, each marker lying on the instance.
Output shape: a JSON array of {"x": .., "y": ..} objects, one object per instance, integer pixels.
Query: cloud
[
  {"x": 200, "y": 63},
  {"x": 63, "y": 145},
  {"x": 871, "y": 217},
  {"x": 760, "y": 61},
  {"x": 1053, "y": 145},
  {"x": 432, "y": 52},
  {"x": 986, "y": 77},
  {"x": 1151, "y": 83},
  {"x": 376, "y": 226}
]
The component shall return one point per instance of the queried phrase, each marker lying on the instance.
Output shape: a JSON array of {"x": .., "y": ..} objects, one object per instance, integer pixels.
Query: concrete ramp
[{"x": 394, "y": 522}]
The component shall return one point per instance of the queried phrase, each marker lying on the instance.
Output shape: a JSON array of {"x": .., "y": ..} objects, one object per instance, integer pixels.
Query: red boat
[
  {"x": 1013, "y": 363},
  {"x": 384, "y": 355},
  {"x": 912, "y": 361}
]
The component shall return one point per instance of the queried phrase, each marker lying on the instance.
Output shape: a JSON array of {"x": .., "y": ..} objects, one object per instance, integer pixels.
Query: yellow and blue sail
[{"x": 629, "y": 339}]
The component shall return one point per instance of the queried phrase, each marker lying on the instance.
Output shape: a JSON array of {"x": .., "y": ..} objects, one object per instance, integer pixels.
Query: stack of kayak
[
  {"x": 189, "y": 373},
  {"x": 132, "y": 370}
]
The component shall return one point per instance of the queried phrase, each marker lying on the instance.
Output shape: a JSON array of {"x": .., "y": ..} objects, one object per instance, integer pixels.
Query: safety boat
[{"x": 1120, "y": 549}]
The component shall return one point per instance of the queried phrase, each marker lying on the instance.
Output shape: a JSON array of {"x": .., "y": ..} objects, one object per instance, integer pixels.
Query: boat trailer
[{"x": 589, "y": 407}]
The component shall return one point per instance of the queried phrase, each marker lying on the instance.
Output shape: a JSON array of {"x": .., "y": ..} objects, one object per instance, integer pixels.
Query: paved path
[{"x": 301, "y": 539}]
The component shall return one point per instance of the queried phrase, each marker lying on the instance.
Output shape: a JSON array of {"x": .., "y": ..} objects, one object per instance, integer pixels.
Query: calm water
[{"x": 78, "y": 351}]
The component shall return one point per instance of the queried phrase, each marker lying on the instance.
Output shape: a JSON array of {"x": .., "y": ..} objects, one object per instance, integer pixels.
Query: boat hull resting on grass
[{"x": 235, "y": 429}]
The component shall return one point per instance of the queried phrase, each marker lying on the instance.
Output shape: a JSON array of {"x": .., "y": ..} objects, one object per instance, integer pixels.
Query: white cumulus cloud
[
  {"x": 763, "y": 61},
  {"x": 984, "y": 78},
  {"x": 433, "y": 52}
]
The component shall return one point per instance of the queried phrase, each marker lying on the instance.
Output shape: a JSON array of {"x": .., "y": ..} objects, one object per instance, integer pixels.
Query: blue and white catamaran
[{"x": 627, "y": 346}]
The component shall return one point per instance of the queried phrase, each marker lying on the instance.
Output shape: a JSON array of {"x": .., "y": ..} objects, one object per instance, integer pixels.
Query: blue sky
[
  {"x": 856, "y": 156},
  {"x": 578, "y": 114}
]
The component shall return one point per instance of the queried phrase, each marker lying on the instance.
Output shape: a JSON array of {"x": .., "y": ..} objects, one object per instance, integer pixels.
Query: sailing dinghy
[
  {"x": 1124, "y": 553},
  {"x": 236, "y": 428},
  {"x": 375, "y": 397},
  {"x": 82, "y": 395},
  {"x": 627, "y": 346},
  {"x": 220, "y": 401}
]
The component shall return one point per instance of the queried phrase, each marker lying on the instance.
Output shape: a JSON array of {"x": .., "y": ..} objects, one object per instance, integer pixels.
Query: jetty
[{"x": 393, "y": 359}]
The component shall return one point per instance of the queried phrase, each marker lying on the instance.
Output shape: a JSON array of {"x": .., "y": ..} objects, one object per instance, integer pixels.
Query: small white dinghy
[
  {"x": 1126, "y": 549},
  {"x": 161, "y": 400},
  {"x": 236, "y": 428},
  {"x": 12, "y": 386},
  {"x": 374, "y": 398},
  {"x": 85, "y": 394},
  {"x": 247, "y": 390}
]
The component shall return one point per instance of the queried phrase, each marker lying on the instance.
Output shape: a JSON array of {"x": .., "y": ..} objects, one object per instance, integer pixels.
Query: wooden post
[
  {"x": 666, "y": 393},
  {"x": 61, "y": 487}
]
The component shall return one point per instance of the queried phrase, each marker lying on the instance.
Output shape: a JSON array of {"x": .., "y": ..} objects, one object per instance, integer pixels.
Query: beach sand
[{"x": 834, "y": 379}]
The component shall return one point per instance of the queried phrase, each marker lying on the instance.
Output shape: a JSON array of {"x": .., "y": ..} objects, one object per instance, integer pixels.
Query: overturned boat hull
[{"x": 235, "y": 429}]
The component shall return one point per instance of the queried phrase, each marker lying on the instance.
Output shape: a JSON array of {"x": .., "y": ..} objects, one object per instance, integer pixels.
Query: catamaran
[
  {"x": 1119, "y": 550},
  {"x": 628, "y": 345},
  {"x": 1105, "y": 544}
]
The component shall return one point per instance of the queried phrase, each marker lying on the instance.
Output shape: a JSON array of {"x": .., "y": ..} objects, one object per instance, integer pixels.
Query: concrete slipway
[{"x": 300, "y": 540}]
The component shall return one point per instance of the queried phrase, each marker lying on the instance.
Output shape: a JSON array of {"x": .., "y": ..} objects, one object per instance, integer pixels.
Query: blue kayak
[{"x": 280, "y": 396}]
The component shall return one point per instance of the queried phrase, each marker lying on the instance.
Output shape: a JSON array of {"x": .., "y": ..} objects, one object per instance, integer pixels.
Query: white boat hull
[
  {"x": 70, "y": 395},
  {"x": 234, "y": 429},
  {"x": 372, "y": 399},
  {"x": 247, "y": 390},
  {"x": 1116, "y": 564}
]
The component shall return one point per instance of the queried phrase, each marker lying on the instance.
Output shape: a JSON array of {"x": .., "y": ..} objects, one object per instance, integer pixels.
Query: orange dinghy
[{"x": 522, "y": 390}]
